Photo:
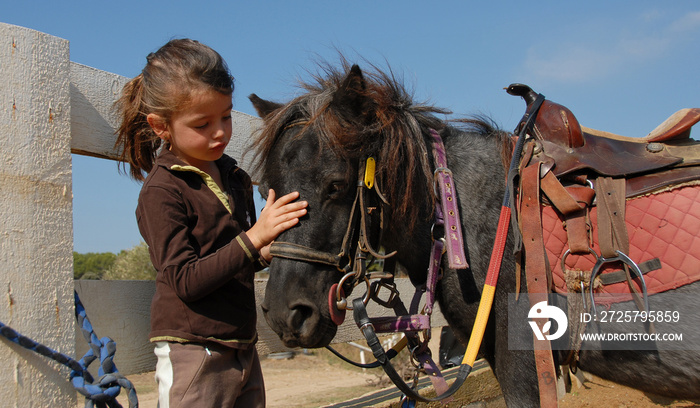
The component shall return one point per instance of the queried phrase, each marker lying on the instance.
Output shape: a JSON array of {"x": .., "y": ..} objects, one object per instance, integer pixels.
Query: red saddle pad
[{"x": 664, "y": 226}]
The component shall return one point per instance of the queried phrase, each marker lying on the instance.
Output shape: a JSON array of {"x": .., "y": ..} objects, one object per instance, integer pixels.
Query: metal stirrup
[{"x": 621, "y": 257}]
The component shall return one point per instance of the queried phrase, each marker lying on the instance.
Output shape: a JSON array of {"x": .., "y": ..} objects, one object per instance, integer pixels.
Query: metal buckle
[{"x": 394, "y": 293}]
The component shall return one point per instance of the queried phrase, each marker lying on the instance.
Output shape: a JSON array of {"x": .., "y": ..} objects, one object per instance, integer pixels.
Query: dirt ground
[
  {"x": 304, "y": 381},
  {"x": 319, "y": 379}
]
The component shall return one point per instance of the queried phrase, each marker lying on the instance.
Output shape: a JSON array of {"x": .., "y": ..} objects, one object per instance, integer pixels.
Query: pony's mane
[{"x": 396, "y": 134}]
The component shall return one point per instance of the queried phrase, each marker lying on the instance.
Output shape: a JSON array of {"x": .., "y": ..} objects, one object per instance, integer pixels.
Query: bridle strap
[
  {"x": 447, "y": 210},
  {"x": 354, "y": 233},
  {"x": 367, "y": 328},
  {"x": 303, "y": 253},
  {"x": 351, "y": 230},
  {"x": 364, "y": 239}
]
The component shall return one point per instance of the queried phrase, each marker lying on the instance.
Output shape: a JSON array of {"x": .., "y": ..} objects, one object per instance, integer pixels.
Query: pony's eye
[{"x": 337, "y": 190}]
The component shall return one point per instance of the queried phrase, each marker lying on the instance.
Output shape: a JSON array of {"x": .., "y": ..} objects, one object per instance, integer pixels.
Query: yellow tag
[{"x": 369, "y": 172}]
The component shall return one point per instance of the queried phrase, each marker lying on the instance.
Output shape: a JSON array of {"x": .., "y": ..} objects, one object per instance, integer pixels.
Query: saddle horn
[{"x": 555, "y": 121}]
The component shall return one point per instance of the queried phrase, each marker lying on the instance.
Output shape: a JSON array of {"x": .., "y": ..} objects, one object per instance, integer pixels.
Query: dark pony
[{"x": 315, "y": 143}]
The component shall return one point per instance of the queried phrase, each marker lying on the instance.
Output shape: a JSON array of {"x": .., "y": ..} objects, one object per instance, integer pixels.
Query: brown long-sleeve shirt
[{"x": 205, "y": 262}]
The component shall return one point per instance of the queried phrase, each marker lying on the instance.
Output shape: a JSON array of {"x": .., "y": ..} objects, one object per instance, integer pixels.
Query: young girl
[{"x": 196, "y": 213}]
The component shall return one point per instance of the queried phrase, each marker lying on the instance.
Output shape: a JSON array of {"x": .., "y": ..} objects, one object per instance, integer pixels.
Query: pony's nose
[{"x": 303, "y": 318}]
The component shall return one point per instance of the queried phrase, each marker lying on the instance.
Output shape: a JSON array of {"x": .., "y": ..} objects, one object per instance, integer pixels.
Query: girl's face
[{"x": 199, "y": 132}]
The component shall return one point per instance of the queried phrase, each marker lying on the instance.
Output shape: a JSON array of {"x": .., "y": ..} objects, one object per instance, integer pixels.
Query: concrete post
[{"x": 36, "y": 263}]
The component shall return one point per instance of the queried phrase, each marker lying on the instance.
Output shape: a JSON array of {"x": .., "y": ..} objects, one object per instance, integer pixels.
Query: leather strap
[
  {"x": 612, "y": 230},
  {"x": 302, "y": 253},
  {"x": 365, "y": 324},
  {"x": 609, "y": 278},
  {"x": 433, "y": 276},
  {"x": 536, "y": 273},
  {"x": 573, "y": 209},
  {"x": 448, "y": 207}
]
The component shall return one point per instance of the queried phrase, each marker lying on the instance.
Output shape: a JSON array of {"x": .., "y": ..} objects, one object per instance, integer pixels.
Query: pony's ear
[
  {"x": 350, "y": 100},
  {"x": 263, "y": 107}
]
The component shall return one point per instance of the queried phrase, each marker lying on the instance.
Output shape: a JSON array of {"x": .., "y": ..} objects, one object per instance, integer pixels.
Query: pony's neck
[{"x": 413, "y": 249}]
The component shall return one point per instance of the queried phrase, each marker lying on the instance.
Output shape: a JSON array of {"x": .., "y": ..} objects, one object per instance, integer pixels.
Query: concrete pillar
[{"x": 36, "y": 263}]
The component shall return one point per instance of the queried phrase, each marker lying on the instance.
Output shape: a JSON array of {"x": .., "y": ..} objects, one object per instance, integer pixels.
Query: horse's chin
[{"x": 321, "y": 337}]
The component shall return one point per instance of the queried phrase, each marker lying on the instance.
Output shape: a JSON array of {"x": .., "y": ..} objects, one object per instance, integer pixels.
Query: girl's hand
[
  {"x": 276, "y": 217},
  {"x": 265, "y": 253}
]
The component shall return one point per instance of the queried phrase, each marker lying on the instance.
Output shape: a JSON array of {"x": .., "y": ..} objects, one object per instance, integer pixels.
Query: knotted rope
[{"x": 101, "y": 393}]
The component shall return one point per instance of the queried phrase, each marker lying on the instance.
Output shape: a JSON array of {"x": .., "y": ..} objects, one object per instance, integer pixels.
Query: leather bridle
[{"x": 351, "y": 259}]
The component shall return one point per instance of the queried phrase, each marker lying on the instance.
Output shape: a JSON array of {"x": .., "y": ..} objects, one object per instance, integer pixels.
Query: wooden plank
[
  {"x": 93, "y": 93},
  {"x": 93, "y": 121}
]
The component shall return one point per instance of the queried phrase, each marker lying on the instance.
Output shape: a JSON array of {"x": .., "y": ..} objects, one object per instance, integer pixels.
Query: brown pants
[{"x": 197, "y": 375}]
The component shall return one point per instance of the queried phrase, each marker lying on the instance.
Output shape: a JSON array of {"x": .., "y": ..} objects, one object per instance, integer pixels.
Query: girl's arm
[{"x": 165, "y": 227}]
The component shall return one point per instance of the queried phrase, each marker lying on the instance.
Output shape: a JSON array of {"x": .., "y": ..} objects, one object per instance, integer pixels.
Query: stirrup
[{"x": 620, "y": 257}]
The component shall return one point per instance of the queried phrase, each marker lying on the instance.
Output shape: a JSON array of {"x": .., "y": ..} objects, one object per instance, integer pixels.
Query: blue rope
[
  {"x": 101, "y": 393},
  {"x": 406, "y": 402}
]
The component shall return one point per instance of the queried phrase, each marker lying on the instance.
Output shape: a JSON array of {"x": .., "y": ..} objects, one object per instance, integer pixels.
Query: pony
[{"x": 315, "y": 144}]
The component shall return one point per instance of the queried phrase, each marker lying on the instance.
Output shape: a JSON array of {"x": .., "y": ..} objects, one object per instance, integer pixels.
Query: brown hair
[{"x": 164, "y": 86}]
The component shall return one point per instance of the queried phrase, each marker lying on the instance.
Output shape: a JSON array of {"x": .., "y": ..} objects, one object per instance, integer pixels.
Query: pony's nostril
[{"x": 299, "y": 315}]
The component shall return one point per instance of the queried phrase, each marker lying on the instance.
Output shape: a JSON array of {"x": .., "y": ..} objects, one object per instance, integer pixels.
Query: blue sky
[{"x": 620, "y": 66}]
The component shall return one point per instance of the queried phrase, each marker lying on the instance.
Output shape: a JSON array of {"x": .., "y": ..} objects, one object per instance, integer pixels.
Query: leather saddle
[
  {"x": 665, "y": 156},
  {"x": 569, "y": 173}
]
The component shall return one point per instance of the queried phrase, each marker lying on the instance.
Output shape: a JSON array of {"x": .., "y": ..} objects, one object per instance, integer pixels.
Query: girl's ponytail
[{"x": 136, "y": 141}]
